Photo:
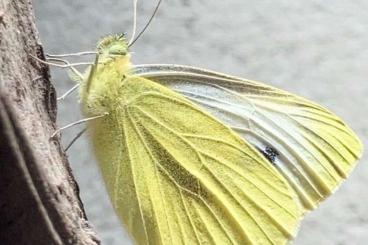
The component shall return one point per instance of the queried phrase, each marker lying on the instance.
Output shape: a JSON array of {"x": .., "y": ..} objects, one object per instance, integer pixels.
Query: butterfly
[{"x": 191, "y": 156}]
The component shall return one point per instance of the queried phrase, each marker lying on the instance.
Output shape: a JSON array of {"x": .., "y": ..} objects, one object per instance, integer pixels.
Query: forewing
[
  {"x": 176, "y": 175},
  {"x": 311, "y": 147}
]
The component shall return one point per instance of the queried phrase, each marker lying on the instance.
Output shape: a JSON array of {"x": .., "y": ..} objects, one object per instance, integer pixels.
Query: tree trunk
[{"x": 39, "y": 198}]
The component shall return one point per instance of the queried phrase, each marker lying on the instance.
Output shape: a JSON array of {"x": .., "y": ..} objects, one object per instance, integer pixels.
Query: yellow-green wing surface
[
  {"x": 176, "y": 175},
  {"x": 311, "y": 147}
]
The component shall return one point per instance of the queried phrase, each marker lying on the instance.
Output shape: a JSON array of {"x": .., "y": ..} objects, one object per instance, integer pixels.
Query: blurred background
[{"x": 316, "y": 49}]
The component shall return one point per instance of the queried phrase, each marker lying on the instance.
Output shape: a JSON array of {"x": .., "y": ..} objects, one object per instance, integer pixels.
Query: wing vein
[
  {"x": 134, "y": 182},
  {"x": 156, "y": 172}
]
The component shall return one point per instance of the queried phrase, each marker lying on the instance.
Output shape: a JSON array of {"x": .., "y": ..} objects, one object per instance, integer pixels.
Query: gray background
[{"x": 317, "y": 49}]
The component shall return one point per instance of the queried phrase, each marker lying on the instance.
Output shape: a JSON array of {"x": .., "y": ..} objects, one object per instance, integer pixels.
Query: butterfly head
[
  {"x": 113, "y": 47},
  {"x": 104, "y": 80}
]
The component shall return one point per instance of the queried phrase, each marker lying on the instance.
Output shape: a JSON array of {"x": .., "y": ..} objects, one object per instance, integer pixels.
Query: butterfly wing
[
  {"x": 176, "y": 175},
  {"x": 311, "y": 147}
]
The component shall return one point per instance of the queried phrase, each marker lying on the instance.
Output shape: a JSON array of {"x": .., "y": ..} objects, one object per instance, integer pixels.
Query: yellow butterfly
[{"x": 191, "y": 156}]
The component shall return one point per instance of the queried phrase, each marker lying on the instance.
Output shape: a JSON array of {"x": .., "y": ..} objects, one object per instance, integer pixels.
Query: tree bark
[{"x": 39, "y": 198}]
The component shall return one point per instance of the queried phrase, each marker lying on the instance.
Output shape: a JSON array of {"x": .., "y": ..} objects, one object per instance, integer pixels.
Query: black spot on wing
[{"x": 269, "y": 153}]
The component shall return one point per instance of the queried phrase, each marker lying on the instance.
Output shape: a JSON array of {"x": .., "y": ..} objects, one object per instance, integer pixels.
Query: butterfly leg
[
  {"x": 71, "y": 54},
  {"x": 68, "y": 92},
  {"x": 66, "y": 64},
  {"x": 76, "y": 76},
  {"x": 75, "y": 138},
  {"x": 76, "y": 123}
]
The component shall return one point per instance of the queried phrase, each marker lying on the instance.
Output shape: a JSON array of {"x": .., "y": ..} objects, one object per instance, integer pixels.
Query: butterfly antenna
[
  {"x": 135, "y": 4},
  {"x": 148, "y": 23}
]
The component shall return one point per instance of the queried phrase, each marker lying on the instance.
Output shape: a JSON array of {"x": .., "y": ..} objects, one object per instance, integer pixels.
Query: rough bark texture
[{"x": 39, "y": 199}]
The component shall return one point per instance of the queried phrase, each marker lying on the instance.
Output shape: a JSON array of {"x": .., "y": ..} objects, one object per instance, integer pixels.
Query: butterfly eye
[{"x": 117, "y": 50}]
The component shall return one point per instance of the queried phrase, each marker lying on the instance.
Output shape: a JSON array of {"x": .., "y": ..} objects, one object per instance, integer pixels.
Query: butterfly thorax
[{"x": 101, "y": 90}]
